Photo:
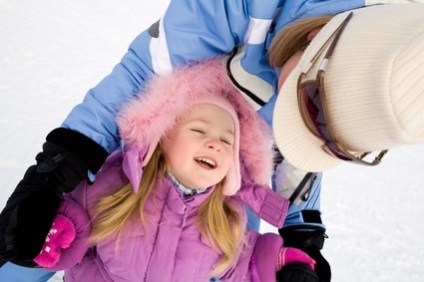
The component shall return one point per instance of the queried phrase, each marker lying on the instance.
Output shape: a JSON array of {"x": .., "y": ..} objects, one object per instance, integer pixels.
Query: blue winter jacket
[{"x": 192, "y": 30}]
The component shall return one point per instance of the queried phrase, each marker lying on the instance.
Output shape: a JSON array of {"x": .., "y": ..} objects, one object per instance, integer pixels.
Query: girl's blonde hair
[
  {"x": 293, "y": 38},
  {"x": 218, "y": 220}
]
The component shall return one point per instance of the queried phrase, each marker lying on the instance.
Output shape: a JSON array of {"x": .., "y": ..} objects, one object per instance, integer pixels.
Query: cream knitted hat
[{"x": 374, "y": 85}]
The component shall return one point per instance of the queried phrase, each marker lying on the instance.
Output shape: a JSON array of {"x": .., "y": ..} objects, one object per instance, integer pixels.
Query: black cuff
[
  {"x": 297, "y": 272},
  {"x": 91, "y": 154}
]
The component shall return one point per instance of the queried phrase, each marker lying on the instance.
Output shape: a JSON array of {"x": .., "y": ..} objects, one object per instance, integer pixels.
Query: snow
[{"x": 53, "y": 51}]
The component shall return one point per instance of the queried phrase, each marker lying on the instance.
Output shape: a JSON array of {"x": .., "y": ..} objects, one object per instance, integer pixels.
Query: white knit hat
[{"x": 374, "y": 85}]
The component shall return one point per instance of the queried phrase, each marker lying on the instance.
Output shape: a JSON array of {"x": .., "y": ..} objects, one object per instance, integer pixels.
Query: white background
[{"x": 53, "y": 51}]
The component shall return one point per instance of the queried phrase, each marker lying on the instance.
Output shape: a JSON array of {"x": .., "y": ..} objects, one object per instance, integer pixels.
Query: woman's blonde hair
[
  {"x": 218, "y": 220},
  {"x": 293, "y": 38}
]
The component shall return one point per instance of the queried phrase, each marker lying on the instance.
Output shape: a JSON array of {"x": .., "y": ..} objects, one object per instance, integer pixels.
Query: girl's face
[{"x": 199, "y": 149}]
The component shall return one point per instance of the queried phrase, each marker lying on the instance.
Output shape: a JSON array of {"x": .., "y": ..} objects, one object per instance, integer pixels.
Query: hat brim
[
  {"x": 298, "y": 145},
  {"x": 372, "y": 82}
]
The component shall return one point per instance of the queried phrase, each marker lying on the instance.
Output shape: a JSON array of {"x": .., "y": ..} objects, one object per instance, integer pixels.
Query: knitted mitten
[
  {"x": 60, "y": 236},
  {"x": 289, "y": 255}
]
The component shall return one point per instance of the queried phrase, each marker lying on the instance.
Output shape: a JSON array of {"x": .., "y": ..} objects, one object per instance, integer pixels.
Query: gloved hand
[
  {"x": 310, "y": 239},
  {"x": 297, "y": 272},
  {"x": 60, "y": 236},
  {"x": 271, "y": 260},
  {"x": 290, "y": 255},
  {"x": 66, "y": 158},
  {"x": 295, "y": 266}
]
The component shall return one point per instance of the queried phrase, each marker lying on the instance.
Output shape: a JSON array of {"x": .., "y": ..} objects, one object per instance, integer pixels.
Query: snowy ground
[{"x": 53, "y": 51}]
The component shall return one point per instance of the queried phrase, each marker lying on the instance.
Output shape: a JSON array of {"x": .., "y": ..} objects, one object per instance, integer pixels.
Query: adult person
[
  {"x": 341, "y": 101},
  {"x": 89, "y": 133}
]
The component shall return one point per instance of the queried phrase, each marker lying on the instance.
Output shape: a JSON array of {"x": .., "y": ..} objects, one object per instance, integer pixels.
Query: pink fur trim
[{"x": 148, "y": 117}]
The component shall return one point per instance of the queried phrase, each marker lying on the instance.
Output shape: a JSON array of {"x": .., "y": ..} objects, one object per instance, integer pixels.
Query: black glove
[
  {"x": 66, "y": 158},
  {"x": 310, "y": 239},
  {"x": 297, "y": 272}
]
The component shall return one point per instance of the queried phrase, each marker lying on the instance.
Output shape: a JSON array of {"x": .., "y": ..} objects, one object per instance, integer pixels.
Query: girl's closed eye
[
  {"x": 226, "y": 141},
  {"x": 198, "y": 130}
]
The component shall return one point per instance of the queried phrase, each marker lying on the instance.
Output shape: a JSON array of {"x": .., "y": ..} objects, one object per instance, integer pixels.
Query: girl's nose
[{"x": 214, "y": 143}]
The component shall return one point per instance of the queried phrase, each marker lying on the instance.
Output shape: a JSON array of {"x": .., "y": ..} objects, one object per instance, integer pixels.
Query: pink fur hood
[{"x": 144, "y": 120}]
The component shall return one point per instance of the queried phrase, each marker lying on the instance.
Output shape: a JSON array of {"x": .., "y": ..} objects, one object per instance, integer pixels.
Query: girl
[{"x": 169, "y": 206}]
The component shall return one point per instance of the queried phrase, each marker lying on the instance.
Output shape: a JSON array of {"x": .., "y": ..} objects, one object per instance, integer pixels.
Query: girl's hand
[
  {"x": 294, "y": 265},
  {"x": 61, "y": 235},
  {"x": 290, "y": 255}
]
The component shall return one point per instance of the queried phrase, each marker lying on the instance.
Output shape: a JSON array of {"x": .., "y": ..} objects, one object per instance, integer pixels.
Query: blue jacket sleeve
[
  {"x": 17, "y": 273},
  {"x": 190, "y": 30}
]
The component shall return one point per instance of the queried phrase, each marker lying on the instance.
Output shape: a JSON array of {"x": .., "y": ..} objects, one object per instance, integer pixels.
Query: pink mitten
[
  {"x": 60, "y": 236},
  {"x": 289, "y": 255}
]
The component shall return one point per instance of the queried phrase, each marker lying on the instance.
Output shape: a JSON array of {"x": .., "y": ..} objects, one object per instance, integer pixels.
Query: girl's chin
[
  {"x": 202, "y": 182},
  {"x": 200, "y": 185}
]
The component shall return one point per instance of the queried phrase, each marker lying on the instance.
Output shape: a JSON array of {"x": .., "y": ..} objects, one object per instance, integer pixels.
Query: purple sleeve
[
  {"x": 265, "y": 203},
  {"x": 263, "y": 264},
  {"x": 76, "y": 251},
  {"x": 258, "y": 260}
]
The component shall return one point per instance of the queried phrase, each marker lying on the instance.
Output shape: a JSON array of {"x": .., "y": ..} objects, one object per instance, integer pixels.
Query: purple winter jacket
[{"x": 172, "y": 249}]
